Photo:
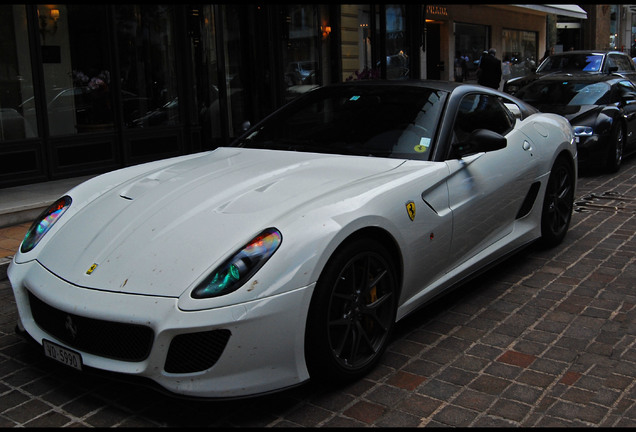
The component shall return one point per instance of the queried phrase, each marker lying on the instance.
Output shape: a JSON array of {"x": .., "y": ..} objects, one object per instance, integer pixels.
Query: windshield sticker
[
  {"x": 423, "y": 145},
  {"x": 354, "y": 98}
]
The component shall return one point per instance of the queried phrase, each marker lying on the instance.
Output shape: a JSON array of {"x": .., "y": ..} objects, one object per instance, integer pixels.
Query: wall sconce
[
  {"x": 48, "y": 21},
  {"x": 325, "y": 31}
]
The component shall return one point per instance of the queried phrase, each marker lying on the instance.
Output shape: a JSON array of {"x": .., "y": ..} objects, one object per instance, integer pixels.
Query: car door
[
  {"x": 626, "y": 92},
  {"x": 486, "y": 190}
]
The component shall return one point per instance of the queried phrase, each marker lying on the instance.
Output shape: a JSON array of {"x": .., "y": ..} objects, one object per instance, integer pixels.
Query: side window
[
  {"x": 481, "y": 111},
  {"x": 623, "y": 63}
]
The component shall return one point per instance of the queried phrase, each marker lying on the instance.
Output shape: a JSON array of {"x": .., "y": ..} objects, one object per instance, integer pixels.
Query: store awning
[{"x": 572, "y": 11}]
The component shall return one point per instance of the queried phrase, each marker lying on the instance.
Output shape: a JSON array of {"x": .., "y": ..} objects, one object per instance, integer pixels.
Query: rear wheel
[
  {"x": 615, "y": 152},
  {"x": 557, "y": 203},
  {"x": 352, "y": 313}
]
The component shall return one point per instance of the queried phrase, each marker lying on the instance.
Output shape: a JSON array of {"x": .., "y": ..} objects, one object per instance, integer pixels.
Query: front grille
[
  {"x": 119, "y": 341},
  {"x": 194, "y": 352}
]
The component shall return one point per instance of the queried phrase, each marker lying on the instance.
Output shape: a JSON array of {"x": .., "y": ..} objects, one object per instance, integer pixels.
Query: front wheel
[
  {"x": 615, "y": 151},
  {"x": 352, "y": 313},
  {"x": 558, "y": 203}
]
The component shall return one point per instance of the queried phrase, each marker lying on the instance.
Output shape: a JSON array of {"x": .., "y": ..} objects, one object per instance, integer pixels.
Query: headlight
[
  {"x": 234, "y": 272},
  {"x": 44, "y": 223},
  {"x": 583, "y": 131}
]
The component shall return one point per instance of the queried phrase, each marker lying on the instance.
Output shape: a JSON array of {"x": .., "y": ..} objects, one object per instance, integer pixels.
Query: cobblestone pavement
[{"x": 547, "y": 338}]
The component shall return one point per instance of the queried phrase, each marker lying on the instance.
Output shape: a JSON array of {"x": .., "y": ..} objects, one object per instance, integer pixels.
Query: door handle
[{"x": 527, "y": 146}]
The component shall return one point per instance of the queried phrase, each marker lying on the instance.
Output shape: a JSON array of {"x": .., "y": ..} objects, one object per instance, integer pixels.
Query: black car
[
  {"x": 601, "y": 109},
  {"x": 592, "y": 62}
]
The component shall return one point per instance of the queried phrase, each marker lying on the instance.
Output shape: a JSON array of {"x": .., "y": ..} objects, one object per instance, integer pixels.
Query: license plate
[{"x": 62, "y": 355}]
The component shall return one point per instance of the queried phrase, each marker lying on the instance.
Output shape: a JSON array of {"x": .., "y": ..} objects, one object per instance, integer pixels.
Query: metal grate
[
  {"x": 127, "y": 342},
  {"x": 194, "y": 352}
]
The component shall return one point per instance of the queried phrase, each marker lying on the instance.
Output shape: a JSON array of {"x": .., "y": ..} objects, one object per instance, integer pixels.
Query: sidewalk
[{"x": 19, "y": 206}]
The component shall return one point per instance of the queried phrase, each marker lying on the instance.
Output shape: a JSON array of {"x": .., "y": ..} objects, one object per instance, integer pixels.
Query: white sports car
[{"x": 291, "y": 254}]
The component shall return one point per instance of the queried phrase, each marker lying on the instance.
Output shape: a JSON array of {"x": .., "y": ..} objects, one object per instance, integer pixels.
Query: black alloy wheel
[
  {"x": 615, "y": 150},
  {"x": 558, "y": 203},
  {"x": 352, "y": 313}
]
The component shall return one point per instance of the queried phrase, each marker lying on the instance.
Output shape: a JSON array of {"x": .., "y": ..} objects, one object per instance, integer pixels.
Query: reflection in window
[
  {"x": 519, "y": 52},
  {"x": 148, "y": 68},
  {"x": 397, "y": 59},
  {"x": 17, "y": 113},
  {"x": 480, "y": 111},
  {"x": 301, "y": 49},
  {"x": 207, "y": 80},
  {"x": 77, "y": 76},
  {"x": 471, "y": 40},
  {"x": 234, "y": 68}
]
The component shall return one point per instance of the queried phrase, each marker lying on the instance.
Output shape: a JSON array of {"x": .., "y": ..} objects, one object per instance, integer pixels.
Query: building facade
[{"x": 86, "y": 88}]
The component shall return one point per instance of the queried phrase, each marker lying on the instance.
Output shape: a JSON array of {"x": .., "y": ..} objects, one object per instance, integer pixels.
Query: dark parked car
[
  {"x": 601, "y": 109},
  {"x": 594, "y": 62}
]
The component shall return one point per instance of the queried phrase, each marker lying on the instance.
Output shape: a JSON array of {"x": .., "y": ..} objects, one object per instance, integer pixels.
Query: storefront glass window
[
  {"x": 519, "y": 55},
  {"x": 17, "y": 121},
  {"x": 234, "y": 41},
  {"x": 355, "y": 42},
  {"x": 77, "y": 69},
  {"x": 206, "y": 65},
  {"x": 301, "y": 43},
  {"x": 145, "y": 35},
  {"x": 613, "y": 37},
  {"x": 471, "y": 40},
  {"x": 632, "y": 51},
  {"x": 397, "y": 56}
]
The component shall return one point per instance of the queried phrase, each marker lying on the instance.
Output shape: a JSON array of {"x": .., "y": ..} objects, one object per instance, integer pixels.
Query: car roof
[
  {"x": 589, "y": 52},
  {"x": 582, "y": 77},
  {"x": 447, "y": 86}
]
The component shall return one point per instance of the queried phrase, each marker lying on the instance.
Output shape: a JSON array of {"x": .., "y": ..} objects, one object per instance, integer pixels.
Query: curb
[{"x": 27, "y": 214}]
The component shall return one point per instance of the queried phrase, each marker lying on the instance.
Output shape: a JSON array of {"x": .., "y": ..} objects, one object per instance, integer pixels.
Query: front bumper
[
  {"x": 592, "y": 151},
  {"x": 264, "y": 351}
]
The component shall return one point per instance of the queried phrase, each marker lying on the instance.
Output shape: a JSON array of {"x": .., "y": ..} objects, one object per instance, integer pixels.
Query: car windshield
[
  {"x": 572, "y": 63},
  {"x": 565, "y": 92},
  {"x": 382, "y": 121}
]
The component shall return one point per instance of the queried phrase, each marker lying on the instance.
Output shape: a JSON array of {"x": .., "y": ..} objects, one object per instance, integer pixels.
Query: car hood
[
  {"x": 570, "y": 112},
  {"x": 159, "y": 232}
]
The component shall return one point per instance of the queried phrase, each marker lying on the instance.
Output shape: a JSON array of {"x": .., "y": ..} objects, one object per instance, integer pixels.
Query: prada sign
[{"x": 436, "y": 10}]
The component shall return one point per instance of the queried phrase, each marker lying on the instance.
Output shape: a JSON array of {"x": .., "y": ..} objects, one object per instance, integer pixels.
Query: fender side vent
[{"x": 528, "y": 203}]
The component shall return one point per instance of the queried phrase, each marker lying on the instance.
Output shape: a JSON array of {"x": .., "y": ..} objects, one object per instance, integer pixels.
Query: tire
[
  {"x": 614, "y": 155},
  {"x": 558, "y": 203},
  {"x": 352, "y": 313}
]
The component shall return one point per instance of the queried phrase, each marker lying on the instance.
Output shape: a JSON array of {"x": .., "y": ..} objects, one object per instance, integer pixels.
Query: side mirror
[
  {"x": 612, "y": 69},
  {"x": 480, "y": 140},
  {"x": 515, "y": 110}
]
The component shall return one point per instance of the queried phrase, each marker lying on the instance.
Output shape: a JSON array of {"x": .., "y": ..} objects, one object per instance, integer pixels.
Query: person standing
[
  {"x": 506, "y": 69},
  {"x": 489, "y": 72},
  {"x": 460, "y": 67}
]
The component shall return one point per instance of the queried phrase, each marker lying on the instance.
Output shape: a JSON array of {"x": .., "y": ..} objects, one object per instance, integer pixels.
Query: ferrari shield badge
[
  {"x": 410, "y": 209},
  {"x": 91, "y": 269}
]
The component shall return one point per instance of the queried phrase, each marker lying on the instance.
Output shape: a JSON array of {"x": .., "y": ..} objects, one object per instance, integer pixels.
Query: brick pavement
[{"x": 547, "y": 338}]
